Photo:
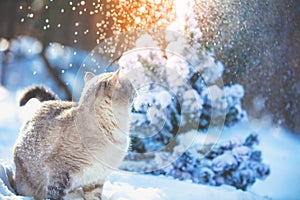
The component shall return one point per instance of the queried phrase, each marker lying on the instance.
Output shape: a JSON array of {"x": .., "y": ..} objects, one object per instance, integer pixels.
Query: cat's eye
[{"x": 104, "y": 84}]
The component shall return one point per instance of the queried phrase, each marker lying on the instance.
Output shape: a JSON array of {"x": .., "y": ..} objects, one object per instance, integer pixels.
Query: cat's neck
[
  {"x": 108, "y": 116},
  {"x": 121, "y": 115}
]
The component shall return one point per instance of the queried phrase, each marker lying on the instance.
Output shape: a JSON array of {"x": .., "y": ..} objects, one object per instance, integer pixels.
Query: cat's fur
[{"x": 68, "y": 149}]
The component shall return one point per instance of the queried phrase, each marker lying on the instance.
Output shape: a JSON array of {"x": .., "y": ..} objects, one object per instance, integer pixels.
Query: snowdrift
[{"x": 129, "y": 186}]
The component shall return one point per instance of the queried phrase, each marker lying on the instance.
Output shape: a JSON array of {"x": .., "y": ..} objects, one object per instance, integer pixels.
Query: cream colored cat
[{"x": 67, "y": 149}]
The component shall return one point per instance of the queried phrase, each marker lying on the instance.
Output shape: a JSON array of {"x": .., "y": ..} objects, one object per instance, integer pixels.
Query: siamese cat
[{"x": 67, "y": 149}]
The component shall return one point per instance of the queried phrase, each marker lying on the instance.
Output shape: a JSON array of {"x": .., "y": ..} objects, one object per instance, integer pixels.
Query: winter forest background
[{"x": 219, "y": 85}]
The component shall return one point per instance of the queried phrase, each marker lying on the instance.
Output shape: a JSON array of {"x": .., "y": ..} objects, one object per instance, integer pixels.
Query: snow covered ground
[
  {"x": 128, "y": 186},
  {"x": 280, "y": 150}
]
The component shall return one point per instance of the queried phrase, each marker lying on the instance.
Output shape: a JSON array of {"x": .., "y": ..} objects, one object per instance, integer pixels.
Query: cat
[{"x": 67, "y": 150}]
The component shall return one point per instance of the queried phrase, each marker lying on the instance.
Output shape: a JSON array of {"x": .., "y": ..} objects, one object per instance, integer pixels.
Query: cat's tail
[{"x": 40, "y": 92}]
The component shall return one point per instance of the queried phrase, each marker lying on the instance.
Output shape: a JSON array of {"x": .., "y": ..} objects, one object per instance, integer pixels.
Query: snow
[
  {"x": 145, "y": 187},
  {"x": 129, "y": 186},
  {"x": 280, "y": 150},
  {"x": 27, "y": 46}
]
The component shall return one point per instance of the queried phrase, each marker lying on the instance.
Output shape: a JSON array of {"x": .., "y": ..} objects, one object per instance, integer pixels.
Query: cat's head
[{"x": 108, "y": 89}]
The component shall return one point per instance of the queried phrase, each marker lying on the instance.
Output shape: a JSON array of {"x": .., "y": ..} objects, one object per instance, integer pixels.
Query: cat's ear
[
  {"x": 115, "y": 78},
  {"x": 88, "y": 76}
]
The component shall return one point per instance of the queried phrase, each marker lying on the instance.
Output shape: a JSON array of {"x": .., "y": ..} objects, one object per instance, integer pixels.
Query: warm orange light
[
  {"x": 134, "y": 14},
  {"x": 156, "y": 1}
]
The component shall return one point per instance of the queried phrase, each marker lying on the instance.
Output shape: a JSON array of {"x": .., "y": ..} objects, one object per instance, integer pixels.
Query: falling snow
[{"x": 256, "y": 41}]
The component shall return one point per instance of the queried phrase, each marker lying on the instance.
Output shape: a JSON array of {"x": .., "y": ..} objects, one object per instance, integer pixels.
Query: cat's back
[
  {"x": 52, "y": 111},
  {"x": 42, "y": 131}
]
